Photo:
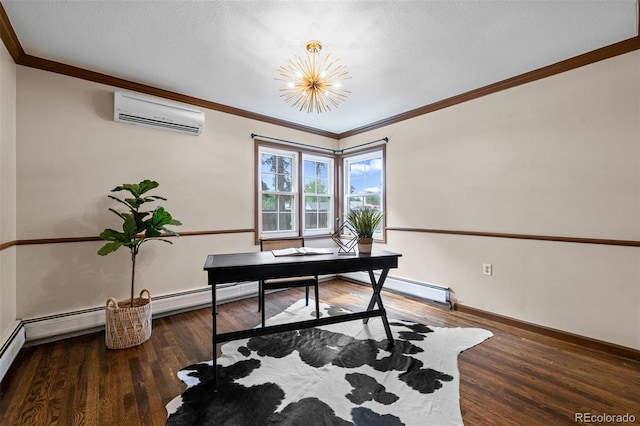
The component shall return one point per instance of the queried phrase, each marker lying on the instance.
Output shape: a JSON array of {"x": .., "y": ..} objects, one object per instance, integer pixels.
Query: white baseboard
[
  {"x": 10, "y": 345},
  {"x": 79, "y": 322},
  {"x": 402, "y": 285},
  {"x": 58, "y": 326},
  {"x": 62, "y": 325}
]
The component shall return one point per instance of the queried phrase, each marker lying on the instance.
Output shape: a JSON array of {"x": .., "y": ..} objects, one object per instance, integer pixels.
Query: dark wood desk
[{"x": 237, "y": 267}]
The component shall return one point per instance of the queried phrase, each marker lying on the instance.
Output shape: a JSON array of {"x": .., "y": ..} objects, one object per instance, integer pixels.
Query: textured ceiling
[{"x": 401, "y": 54}]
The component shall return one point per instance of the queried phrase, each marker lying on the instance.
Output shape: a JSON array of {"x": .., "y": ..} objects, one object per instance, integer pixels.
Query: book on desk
[{"x": 300, "y": 251}]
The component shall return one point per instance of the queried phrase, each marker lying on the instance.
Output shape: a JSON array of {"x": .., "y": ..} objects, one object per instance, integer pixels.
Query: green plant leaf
[
  {"x": 134, "y": 202},
  {"x": 169, "y": 232},
  {"x": 109, "y": 248},
  {"x": 151, "y": 232},
  {"x": 113, "y": 235},
  {"x": 154, "y": 197},
  {"x": 133, "y": 188},
  {"x": 364, "y": 220},
  {"x": 129, "y": 206},
  {"x": 138, "y": 226},
  {"x": 130, "y": 227},
  {"x": 118, "y": 213},
  {"x": 160, "y": 217},
  {"x": 146, "y": 186}
]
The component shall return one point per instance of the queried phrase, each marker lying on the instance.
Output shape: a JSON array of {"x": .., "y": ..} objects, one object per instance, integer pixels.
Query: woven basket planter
[{"x": 128, "y": 326}]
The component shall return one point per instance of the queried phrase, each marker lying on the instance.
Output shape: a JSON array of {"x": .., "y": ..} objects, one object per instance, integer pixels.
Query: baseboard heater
[
  {"x": 68, "y": 324},
  {"x": 85, "y": 321},
  {"x": 54, "y": 327},
  {"x": 11, "y": 343},
  {"x": 409, "y": 287}
]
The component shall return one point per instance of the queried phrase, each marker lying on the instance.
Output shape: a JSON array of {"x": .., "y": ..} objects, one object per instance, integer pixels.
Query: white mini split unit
[{"x": 158, "y": 113}]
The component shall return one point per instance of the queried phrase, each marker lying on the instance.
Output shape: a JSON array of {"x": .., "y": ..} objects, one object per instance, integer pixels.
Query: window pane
[
  {"x": 267, "y": 163},
  {"x": 309, "y": 171},
  {"x": 372, "y": 201},
  {"x": 323, "y": 186},
  {"x": 316, "y": 180},
  {"x": 283, "y": 182},
  {"x": 323, "y": 171},
  {"x": 269, "y": 221},
  {"x": 280, "y": 185},
  {"x": 285, "y": 222},
  {"x": 364, "y": 183},
  {"x": 277, "y": 212},
  {"x": 310, "y": 203},
  {"x": 354, "y": 203},
  {"x": 310, "y": 220},
  {"x": 356, "y": 185},
  {"x": 268, "y": 203},
  {"x": 284, "y": 165},
  {"x": 316, "y": 214},
  {"x": 324, "y": 208},
  {"x": 311, "y": 212},
  {"x": 285, "y": 203},
  {"x": 268, "y": 182}
]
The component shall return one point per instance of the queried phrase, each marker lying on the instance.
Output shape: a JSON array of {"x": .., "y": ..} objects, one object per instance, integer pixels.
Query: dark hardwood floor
[{"x": 514, "y": 378}]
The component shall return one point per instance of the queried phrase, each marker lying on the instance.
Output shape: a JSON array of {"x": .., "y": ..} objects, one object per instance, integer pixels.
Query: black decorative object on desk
[{"x": 346, "y": 245}]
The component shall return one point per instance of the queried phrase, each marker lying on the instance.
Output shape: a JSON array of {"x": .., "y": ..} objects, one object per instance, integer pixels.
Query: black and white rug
[{"x": 339, "y": 374}]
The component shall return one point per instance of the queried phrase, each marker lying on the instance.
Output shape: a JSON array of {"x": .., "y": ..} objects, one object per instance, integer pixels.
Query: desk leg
[
  {"x": 214, "y": 311},
  {"x": 376, "y": 298}
]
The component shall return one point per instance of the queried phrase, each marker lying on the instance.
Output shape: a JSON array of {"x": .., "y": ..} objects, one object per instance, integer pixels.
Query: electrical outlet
[{"x": 487, "y": 269}]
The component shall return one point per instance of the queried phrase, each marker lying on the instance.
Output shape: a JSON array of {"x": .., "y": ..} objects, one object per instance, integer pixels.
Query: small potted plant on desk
[
  {"x": 128, "y": 323},
  {"x": 364, "y": 221}
]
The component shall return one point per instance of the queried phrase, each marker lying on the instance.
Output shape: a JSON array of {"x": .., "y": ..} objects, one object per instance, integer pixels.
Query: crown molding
[
  {"x": 72, "y": 71},
  {"x": 597, "y": 55},
  {"x": 20, "y": 57},
  {"x": 9, "y": 36}
]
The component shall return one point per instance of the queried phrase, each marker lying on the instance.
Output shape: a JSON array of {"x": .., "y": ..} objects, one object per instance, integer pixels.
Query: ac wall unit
[{"x": 157, "y": 113}]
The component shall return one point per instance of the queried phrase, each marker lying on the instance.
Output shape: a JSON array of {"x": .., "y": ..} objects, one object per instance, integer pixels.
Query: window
[
  {"x": 295, "y": 197},
  {"x": 364, "y": 183},
  {"x": 318, "y": 194},
  {"x": 278, "y": 191},
  {"x": 295, "y": 192}
]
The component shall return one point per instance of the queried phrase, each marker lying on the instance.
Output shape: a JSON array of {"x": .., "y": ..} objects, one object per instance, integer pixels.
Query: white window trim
[
  {"x": 294, "y": 191},
  {"x": 330, "y": 214},
  {"x": 369, "y": 155}
]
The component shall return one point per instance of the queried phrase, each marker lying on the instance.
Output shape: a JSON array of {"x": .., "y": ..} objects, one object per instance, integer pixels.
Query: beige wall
[
  {"x": 559, "y": 157},
  {"x": 71, "y": 154},
  {"x": 7, "y": 191}
]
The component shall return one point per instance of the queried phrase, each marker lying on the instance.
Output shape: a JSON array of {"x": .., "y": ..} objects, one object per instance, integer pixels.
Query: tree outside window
[
  {"x": 364, "y": 183},
  {"x": 278, "y": 198},
  {"x": 295, "y": 192}
]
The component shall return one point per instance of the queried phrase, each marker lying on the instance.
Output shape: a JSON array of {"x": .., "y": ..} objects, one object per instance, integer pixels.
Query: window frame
[
  {"x": 294, "y": 192},
  {"x": 362, "y": 155},
  {"x": 337, "y": 194},
  {"x": 331, "y": 194}
]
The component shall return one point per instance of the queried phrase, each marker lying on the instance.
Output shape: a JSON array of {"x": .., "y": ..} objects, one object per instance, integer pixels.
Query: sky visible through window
[{"x": 366, "y": 176}]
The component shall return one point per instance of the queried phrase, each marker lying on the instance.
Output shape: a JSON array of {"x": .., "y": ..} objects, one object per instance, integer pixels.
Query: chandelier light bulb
[{"x": 316, "y": 79}]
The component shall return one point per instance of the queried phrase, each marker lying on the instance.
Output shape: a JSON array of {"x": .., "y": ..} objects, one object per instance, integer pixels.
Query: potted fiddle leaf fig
[
  {"x": 364, "y": 221},
  {"x": 128, "y": 323}
]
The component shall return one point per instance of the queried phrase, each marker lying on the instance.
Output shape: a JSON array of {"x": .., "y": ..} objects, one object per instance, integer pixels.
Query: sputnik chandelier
[{"x": 312, "y": 83}]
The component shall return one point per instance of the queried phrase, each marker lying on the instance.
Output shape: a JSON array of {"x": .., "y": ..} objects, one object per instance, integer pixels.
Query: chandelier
[{"x": 313, "y": 83}]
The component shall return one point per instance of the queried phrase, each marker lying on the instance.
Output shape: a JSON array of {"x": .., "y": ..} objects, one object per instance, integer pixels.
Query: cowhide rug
[{"x": 339, "y": 374}]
